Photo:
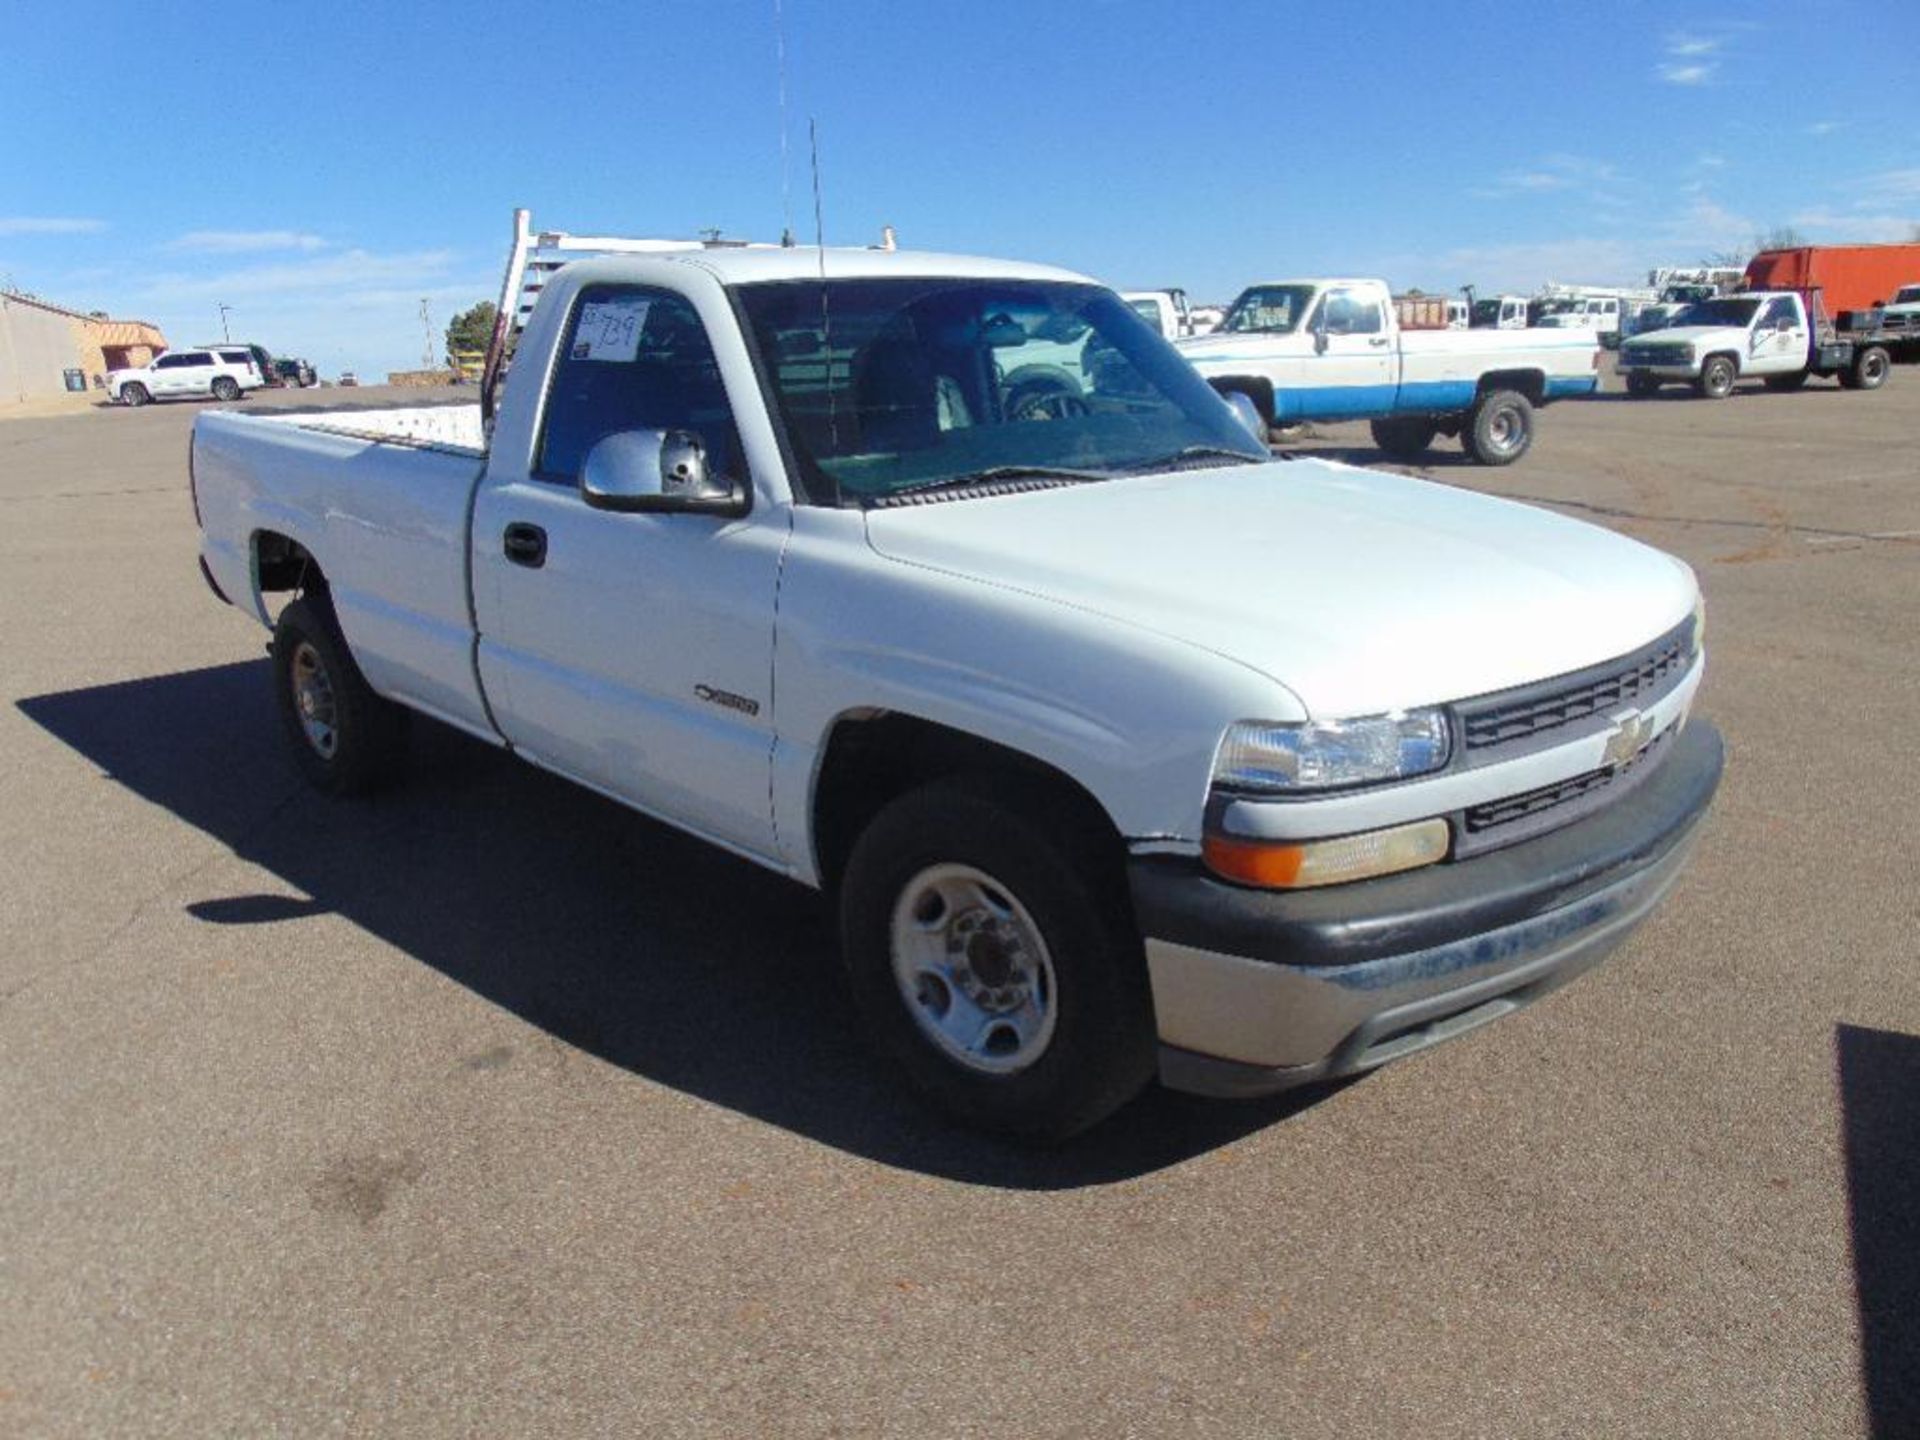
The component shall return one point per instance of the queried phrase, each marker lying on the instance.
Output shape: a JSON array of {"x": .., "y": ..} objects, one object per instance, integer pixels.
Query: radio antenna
[
  {"x": 826, "y": 313},
  {"x": 786, "y": 163}
]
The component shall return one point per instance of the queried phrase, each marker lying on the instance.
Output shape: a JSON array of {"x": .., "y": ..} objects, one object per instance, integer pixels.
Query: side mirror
[
  {"x": 1320, "y": 332},
  {"x": 657, "y": 472},
  {"x": 1249, "y": 413}
]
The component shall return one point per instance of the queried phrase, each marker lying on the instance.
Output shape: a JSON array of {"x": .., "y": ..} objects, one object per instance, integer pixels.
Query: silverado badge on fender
[{"x": 728, "y": 699}]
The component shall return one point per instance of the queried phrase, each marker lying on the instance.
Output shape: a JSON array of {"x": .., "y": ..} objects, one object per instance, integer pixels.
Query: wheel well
[
  {"x": 1256, "y": 388},
  {"x": 1731, "y": 357},
  {"x": 873, "y": 757},
  {"x": 283, "y": 563},
  {"x": 1530, "y": 383}
]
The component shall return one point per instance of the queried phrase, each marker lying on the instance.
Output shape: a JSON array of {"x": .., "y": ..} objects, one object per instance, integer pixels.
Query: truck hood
[
  {"x": 1358, "y": 590},
  {"x": 1696, "y": 335}
]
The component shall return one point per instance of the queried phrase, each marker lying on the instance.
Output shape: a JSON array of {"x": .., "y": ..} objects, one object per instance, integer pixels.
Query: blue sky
[{"x": 323, "y": 168}]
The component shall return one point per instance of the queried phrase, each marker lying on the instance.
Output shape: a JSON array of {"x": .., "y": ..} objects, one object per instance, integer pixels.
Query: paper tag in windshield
[{"x": 609, "y": 329}]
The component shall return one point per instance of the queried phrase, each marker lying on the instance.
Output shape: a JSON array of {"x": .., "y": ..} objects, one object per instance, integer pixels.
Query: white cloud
[
  {"x": 1826, "y": 224},
  {"x": 1691, "y": 59},
  {"x": 1528, "y": 265},
  {"x": 48, "y": 225},
  {"x": 1552, "y": 173},
  {"x": 239, "y": 242},
  {"x": 1682, "y": 44},
  {"x": 332, "y": 274},
  {"x": 1825, "y": 127},
  {"x": 1895, "y": 185},
  {"x": 1687, "y": 74}
]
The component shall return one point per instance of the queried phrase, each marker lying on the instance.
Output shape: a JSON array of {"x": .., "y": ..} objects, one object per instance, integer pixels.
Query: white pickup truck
[
  {"x": 1333, "y": 350},
  {"x": 1768, "y": 335},
  {"x": 1119, "y": 746}
]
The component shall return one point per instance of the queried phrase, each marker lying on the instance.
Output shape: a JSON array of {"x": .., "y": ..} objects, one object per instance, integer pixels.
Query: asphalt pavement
[{"x": 489, "y": 1108}]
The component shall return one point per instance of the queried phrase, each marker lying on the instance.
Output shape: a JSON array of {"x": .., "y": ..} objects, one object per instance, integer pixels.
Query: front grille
[
  {"x": 1514, "y": 818},
  {"x": 1658, "y": 355},
  {"x": 1533, "y": 802},
  {"x": 1512, "y": 715}
]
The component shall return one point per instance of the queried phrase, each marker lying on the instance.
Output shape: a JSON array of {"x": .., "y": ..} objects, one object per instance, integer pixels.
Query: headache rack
[{"x": 535, "y": 256}]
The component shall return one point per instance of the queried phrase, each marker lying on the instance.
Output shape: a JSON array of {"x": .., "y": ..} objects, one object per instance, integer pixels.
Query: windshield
[
  {"x": 1909, "y": 295},
  {"x": 1268, "y": 310},
  {"x": 1718, "y": 312},
  {"x": 897, "y": 385},
  {"x": 1147, "y": 310}
]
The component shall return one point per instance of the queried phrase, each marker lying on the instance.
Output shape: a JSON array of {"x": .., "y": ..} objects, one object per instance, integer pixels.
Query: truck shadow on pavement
[
  {"x": 620, "y": 936},
  {"x": 1879, "y": 1074}
]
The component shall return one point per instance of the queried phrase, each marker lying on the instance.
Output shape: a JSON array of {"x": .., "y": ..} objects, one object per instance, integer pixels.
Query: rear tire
[
  {"x": 225, "y": 388},
  {"x": 1404, "y": 437},
  {"x": 346, "y": 740},
  {"x": 1499, "y": 428},
  {"x": 1784, "y": 384},
  {"x": 1642, "y": 386},
  {"x": 135, "y": 394},
  {"x": 993, "y": 958},
  {"x": 1869, "y": 369},
  {"x": 1716, "y": 378}
]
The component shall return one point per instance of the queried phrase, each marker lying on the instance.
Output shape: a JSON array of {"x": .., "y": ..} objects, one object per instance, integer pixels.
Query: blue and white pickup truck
[
  {"x": 1120, "y": 746},
  {"x": 1333, "y": 350}
]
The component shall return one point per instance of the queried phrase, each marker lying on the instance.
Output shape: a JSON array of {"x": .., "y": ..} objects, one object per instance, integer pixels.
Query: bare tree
[{"x": 1780, "y": 237}]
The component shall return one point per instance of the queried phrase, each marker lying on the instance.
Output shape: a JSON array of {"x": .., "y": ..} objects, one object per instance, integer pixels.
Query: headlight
[{"x": 1327, "y": 754}]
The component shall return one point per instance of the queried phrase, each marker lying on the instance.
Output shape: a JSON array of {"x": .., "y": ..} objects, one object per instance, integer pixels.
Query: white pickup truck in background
[
  {"x": 1303, "y": 350},
  {"x": 1119, "y": 745},
  {"x": 1768, "y": 335}
]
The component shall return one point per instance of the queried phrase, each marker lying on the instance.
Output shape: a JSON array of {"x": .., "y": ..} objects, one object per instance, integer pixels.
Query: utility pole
[
  {"x": 426, "y": 324},
  {"x": 223, "y": 322}
]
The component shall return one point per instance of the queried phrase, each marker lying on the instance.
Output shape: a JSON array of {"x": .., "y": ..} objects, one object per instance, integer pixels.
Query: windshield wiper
[
  {"x": 996, "y": 473},
  {"x": 1195, "y": 452}
]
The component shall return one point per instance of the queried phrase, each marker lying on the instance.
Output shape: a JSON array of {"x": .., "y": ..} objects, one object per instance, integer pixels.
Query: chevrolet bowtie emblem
[{"x": 1631, "y": 734}]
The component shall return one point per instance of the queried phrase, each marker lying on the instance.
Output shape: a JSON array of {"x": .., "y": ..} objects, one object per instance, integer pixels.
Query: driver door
[
  {"x": 633, "y": 652},
  {"x": 1779, "y": 338},
  {"x": 1352, "y": 364}
]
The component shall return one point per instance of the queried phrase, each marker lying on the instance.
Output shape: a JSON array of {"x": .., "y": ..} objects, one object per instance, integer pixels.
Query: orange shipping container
[{"x": 1854, "y": 277}]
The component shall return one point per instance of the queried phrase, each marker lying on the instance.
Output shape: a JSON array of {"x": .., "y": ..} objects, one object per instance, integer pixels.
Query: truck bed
[
  {"x": 455, "y": 428},
  {"x": 380, "y": 498}
]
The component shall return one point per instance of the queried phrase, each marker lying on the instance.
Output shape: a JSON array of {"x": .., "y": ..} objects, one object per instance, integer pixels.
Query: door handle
[
  {"x": 525, "y": 545},
  {"x": 1377, "y": 341}
]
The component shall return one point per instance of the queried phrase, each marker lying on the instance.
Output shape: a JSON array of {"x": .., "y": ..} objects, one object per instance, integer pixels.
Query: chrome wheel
[
  {"x": 1503, "y": 429},
  {"x": 973, "y": 969},
  {"x": 313, "y": 701}
]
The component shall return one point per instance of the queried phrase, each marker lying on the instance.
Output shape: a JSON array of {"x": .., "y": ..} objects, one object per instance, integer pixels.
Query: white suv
[{"x": 225, "y": 372}]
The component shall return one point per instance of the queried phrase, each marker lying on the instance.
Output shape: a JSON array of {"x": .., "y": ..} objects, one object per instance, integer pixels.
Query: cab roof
[{"x": 748, "y": 265}]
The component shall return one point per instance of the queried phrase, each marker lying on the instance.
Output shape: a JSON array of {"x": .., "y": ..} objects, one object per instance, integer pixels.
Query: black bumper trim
[{"x": 1176, "y": 900}]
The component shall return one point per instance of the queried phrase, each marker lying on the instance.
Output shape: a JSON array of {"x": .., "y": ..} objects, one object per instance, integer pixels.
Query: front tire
[
  {"x": 345, "y": 739},
  {"x": 1641, "y": 386},
  {"x": 1404, "y": 437},
  {"x": 1716, "y": 378},
  {"x": 135, "y": 394},
  {"x": 1500, "y": 428},
  {"x": 994, "y": 960}
]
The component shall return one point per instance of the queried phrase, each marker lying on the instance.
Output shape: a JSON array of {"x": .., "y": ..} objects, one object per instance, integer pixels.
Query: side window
[
  {"x": 169, "y": 362},
  {"x": 1352, "y": 312},
  {"x": 1778, "y": 309},
  {"x": 196, "y": 357},
  {"x": 634, "y": 359},
  {"x": 236, "y": 357}
]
